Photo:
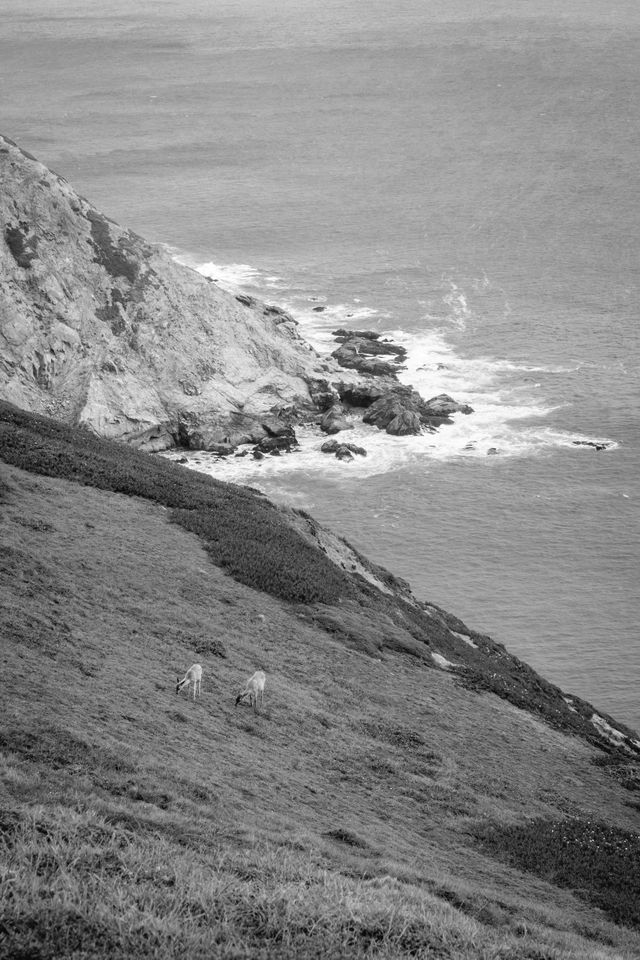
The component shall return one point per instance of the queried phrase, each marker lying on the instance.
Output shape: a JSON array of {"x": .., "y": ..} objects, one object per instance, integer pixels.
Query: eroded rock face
[{"x": 99, "y": 327}]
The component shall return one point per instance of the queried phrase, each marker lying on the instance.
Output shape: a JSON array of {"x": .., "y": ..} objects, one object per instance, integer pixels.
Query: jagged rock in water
[
  {"x": 335, "y": 420},
  {"x": 361, "y": 394},
  {"x": 282, "y": 443},
  {"x": 362, "y": 351},
  {"x": 404, "y": 424},
  {"x": 350, "y": 334},
  {"x": 343, "y": 451},
  {"x": 444, "y": 405},
  {"x": 591, "y": 443}
]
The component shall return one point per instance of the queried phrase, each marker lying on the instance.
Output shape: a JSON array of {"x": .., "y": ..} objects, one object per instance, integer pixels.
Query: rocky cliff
[{"x": 99, "y": 327}]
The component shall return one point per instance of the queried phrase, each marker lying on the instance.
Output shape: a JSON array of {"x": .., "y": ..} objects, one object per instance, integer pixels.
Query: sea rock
[
  {"x": 384, "y": 410},
  {"x": 404, "y": 424},
  {"x": 374, "y": 367},
  {"x": 335, "y": 420},
  {"x": 402, "y": 411},
  {"x": 591, "y": 443},
  {"x": 361, "y": 394},
  {"x": 343, "y": 451},
  {"x": 362, "y": 351},
  {"x": 444, "y": 405},
  {"x": 349, "y": 334},
  {"x": 278, "y": 444}
]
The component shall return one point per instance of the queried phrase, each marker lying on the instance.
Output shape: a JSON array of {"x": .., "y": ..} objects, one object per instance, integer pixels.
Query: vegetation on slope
[
  {"x": 599, "y": 860},
  {"x": 340, "y": 822},
  {"x": 258, "y": 545},
  {"x": 243, "y": 530}
]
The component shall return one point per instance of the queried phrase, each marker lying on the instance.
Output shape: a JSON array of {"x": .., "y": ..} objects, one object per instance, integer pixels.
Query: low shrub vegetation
[
  {"x": 244, "y": 533},
  {"x": 596, "y": 860}
]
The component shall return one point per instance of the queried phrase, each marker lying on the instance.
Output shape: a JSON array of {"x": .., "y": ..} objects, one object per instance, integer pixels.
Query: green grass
[
  {"x": 244, "y": 532},
  {"x": 74, "y": 885},
  {"x": 338, "y": 822},
  {"x": 263, "y": 547}
]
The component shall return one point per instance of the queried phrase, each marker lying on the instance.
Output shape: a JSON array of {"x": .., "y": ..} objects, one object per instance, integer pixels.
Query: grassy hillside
[{"x": 377, "y": 807}]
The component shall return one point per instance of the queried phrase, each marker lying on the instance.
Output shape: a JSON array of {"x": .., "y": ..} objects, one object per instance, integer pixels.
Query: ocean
[{"x": 462, "y": 177}]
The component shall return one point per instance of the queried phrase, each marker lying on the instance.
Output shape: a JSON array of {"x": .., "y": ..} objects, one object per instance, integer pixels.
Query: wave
[{"x": 505, "y": 394}]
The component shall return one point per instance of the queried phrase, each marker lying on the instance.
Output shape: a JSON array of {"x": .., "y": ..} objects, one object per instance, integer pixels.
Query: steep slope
[
  {"x": 348, "y": 819},
  {"x": 99, "y": 327},
  {"x": 288, "y": 555}
]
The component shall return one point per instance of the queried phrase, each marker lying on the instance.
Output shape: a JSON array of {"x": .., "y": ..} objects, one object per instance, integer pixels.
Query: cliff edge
[{"x": 101, "y": 328}]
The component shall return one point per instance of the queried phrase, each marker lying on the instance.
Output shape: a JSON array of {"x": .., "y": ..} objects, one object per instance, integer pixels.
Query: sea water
[{"x": 460, "y": 177}]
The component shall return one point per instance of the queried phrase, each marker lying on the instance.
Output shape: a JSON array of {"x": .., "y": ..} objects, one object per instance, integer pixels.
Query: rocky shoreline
[
  {"x": 101, "y": 329},
  {"x": 376, "y": 397}
]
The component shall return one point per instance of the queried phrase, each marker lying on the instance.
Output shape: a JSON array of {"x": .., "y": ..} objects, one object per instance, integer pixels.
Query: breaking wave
[{"x": 511, "y": 411}]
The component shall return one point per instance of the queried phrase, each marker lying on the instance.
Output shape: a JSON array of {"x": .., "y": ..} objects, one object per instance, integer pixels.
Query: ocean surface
[{"x": 461, "y": 176}]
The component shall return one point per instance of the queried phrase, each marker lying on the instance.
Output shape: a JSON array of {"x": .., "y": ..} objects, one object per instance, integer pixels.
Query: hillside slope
[{"x": 377, "y": 806}]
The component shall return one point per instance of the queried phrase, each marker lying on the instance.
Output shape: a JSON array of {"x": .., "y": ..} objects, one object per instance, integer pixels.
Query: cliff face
[{"x": 99, "y": 327}]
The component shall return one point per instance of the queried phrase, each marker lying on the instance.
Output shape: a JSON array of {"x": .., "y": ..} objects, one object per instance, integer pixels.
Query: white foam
[
  {"x": 502, "y": 392},
  {"x": 318, "y": 326},
  {"x": 240, "y": 276}
]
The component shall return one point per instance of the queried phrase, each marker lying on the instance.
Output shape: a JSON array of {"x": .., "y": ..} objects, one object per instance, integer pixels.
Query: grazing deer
[
  {"x": 192, "y": 676},
  {"x": 254, "y": 690}
]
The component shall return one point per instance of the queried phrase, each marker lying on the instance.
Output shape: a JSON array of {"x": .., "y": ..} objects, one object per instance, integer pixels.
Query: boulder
[
  {"x": 322, "y": 393},
  {"x": 343, "y": 451},
  {"x": 277, "y": 445},
  {"x": 404, "y": 424},
  {"x": 402, "y": 411},
  {"x": 360, "y": 394},
  {"x": 276, "y": 427},
  {"x": 373, "y": 366},
  {"x": 349, "y": 334},
  {"x": 384, "y": 410},
  {"x": 444, "y": 405},
  {"x": 361, "y": 350},
  {"x": 363, "y": 355},
  {"x": 591, "y": 443},
  {"x": 334, "y": 420}
]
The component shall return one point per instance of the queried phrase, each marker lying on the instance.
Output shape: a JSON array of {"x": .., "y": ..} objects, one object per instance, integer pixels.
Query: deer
[
  {"x": 254, "y": 690},
  {"x": 192, "y": 676}
]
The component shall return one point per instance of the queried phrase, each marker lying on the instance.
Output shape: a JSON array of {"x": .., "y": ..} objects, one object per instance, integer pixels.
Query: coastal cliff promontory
[{"x": 100, "y": 328}]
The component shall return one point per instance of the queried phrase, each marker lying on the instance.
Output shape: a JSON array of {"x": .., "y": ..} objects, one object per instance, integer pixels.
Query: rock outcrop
[
  {"x": 362, "y": 350},
  {"x": 343, "y": 451},
  {"x": 99, "y": 327}
]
